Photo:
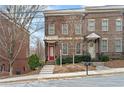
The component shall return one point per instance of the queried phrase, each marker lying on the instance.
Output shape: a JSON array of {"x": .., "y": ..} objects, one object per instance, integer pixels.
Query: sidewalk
[{"x": 62, "y": 75}]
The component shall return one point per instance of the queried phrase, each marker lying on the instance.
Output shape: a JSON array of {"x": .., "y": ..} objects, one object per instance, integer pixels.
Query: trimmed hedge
[
  {"x": 103, "y": 58},
  {"x": 69, "y": 59}
]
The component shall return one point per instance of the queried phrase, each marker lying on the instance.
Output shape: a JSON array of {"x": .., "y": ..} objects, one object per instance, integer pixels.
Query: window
[
  {"x": 118, "y": 25},
  {"x": 104, "y": 45},
  {"x": 65, "y": 29},
  {"x": 91, "y": 24},
  {"x": 64, "y": 48},
  {"x": 105, "y": 25},
  {"x": 51, "y": 29},
  {"x": 78, "y": 29},
  {"x": 78, "y": 48},
  {"x": 118, "y": 45}
]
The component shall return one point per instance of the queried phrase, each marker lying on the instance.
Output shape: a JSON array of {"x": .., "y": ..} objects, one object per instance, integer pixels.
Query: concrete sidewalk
[{"x": 62, "y": 75}]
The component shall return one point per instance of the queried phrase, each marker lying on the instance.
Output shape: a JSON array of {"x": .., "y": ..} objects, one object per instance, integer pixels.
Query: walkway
[
  {"x": 102, "y": 68},
  {"x": 47, "y": 69}
]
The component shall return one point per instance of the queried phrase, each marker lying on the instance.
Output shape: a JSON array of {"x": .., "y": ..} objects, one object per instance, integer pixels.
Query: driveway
[{"x": 110, "y": 80}]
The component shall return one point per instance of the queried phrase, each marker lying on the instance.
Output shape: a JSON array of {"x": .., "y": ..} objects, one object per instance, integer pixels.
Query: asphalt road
[{"x": 112, "y": 80}]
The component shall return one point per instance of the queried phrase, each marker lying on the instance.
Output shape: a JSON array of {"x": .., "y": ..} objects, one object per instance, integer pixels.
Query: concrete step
[{"x": 47, "y": 69}]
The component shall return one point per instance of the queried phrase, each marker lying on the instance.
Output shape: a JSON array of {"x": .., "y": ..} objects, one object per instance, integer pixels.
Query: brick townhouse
[
  {"x": 93, "y": 29},
  {"x": 21, "y": 62}
]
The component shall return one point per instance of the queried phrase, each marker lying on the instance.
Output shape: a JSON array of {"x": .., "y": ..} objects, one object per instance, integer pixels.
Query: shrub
[
  {"x": 103, "y": 58},
  {"x": 65, "y": 59},
  {"x": 86, "y": 58},
  {"x": 78, "y": 58},
  {"x": 34, "y": 62},
  {"x": 69, "y": 59}
]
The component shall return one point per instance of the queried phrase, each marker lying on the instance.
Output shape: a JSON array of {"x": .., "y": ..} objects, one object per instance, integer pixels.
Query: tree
[
  {"x": 22, "y": 17},
  {"x": 72, "y": 20},
  {"x": 40, "y": 49}
]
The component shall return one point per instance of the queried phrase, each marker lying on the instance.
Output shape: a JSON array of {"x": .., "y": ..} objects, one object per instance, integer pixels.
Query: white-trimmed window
[
  {"x": 65, "y": 29},
  {"x": 104, "y": 45},
  {"x": 104, "y": 24},
  {"x": 64, "y": 48},
  {"x": 118, "y": 45},
  {"x": 77, "y": 28},
  {"x": 91, "y": 24},
  {"x": 118, "y": 24},
  {"x": 78, "y": 48},
  {"x": 51, "y": 29}
]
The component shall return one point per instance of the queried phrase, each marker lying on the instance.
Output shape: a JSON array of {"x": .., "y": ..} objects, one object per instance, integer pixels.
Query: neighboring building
[
  {"x": 21, "y": 62},
  {"x": 94, "y": 29}
]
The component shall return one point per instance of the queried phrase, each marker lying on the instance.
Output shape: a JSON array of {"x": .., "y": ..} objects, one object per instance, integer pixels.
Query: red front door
[{"x": 51, "y": 53}]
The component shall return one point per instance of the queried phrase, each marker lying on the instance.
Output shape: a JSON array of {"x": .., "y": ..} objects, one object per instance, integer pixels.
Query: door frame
[
  {"x": 94, "y": 45},
  {"x": 48, "y": 54}
]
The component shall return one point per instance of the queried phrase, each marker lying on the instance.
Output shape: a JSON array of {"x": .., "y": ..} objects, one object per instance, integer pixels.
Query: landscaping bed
[
  {"x": 66, "y": 68},
  {"x": 115, "y": 63},
  {"x": 4, "y": 75}
]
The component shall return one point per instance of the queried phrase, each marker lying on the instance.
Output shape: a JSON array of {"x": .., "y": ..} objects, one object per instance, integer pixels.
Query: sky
[{"x": 56, "y": 7}]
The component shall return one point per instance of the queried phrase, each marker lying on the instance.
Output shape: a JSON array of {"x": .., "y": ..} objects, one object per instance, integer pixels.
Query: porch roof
[
  {"x": 93, "y": 36},
  {"x": 51, "y": 38},
  {"x": 51, "y": 41}
]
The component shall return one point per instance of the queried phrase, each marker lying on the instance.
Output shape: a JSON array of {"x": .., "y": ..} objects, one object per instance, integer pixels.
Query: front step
[
  {"x": 47, "y": 69},
  {"x": 50, "y": 63}
]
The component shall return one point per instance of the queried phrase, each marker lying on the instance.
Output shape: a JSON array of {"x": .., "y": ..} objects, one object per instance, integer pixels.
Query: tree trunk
[{"x": 10, "y": 70}]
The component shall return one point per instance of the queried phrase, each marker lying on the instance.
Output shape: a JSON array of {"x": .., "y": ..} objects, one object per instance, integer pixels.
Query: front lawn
[
  {"x": 66, "y": 68},
  {"x": 115, "y": 63}
]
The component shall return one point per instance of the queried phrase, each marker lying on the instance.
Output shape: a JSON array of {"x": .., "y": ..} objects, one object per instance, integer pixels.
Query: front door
[
  {"x": 91, "y": 49},
  {"x": 51, "y": 53}
]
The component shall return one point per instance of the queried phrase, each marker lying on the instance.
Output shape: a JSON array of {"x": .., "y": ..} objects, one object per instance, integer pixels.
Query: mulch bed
[
  {"x": 4, "y": 75},
  {"x": 115, "y": 63},
  {"x": 71, "y": 68}
]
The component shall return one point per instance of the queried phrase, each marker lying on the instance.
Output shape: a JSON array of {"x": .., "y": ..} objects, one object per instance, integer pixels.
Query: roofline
[
  {"x": 79, "y": 13},
  {"x": 111, "y": 7},
  {"x": 91, "y": 9}
]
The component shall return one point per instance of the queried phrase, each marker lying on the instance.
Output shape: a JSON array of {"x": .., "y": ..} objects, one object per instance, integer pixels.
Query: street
[{"x": 111, "y": 80}]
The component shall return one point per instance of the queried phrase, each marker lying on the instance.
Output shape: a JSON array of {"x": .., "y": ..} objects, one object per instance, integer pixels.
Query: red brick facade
[
  {"x": 80, "y": 16},
  {"x": 21, "y": 62}
]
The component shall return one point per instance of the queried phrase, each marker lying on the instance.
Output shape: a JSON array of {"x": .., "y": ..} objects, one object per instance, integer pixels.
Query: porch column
[
  {"x": 48, "y": 52},
  {"x": 99, "y": 52}
]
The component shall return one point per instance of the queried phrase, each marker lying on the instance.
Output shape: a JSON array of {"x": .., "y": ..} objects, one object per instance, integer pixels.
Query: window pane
[
  {"x": 118, "y": 45},
  {"x": 91, "y": 25},
  {"x": 77, "y": 28},
  {"x": 118, "y": 25},
  {"x": 78, "y": 48},
  {"x": 64, "y": 28},
  {"x": 51, "y": 29},
  {"x": 104, "y": 46},
  {"x": 105, "y": 25},
  {"x": 64, "y": 48}
]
